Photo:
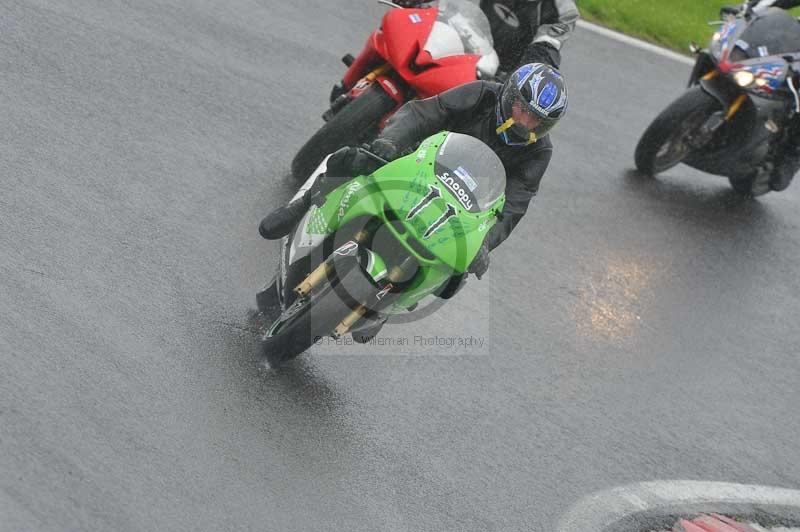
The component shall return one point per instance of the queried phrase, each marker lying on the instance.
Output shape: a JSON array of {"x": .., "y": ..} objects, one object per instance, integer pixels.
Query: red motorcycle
[{"x": 416, "y": 53}]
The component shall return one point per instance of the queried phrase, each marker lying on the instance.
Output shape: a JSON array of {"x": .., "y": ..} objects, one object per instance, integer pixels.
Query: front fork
[
  {"x": 326, "y": 268},
  {"x": 723, "y": 90}
]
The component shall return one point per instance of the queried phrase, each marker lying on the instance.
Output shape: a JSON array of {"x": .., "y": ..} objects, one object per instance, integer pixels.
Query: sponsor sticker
[
  {"x": 385, "y": 290},
  {"x": 462, "y": 195},
  {"x": 466, "y": 178},
  {"x": 506, "y": 15},
  {"x": 415, "y": 18},
  {"x": 347, "y": 197},
  {"x": 347, "y": 249}
]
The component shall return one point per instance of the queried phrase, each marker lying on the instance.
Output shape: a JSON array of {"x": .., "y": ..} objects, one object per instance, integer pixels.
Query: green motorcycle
[{"x": 381, "y": 243}]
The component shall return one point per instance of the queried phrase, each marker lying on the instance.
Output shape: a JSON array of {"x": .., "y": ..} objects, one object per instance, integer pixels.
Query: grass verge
[{"x": 670, "y": 23}]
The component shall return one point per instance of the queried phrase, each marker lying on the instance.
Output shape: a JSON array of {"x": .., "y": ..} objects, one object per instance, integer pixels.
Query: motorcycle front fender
[{"x": 722, "y": 89}]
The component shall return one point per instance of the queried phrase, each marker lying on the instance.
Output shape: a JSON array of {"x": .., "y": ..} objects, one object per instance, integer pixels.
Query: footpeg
[{"x": 348, "y": 60}]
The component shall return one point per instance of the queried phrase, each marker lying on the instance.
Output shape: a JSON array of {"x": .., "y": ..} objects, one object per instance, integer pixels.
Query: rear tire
[
  {"x": 346, "y": 128},
  {"x": 664, "y": 143}
]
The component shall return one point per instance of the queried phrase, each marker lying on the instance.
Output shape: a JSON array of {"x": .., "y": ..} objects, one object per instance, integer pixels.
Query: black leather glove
[
  {"x": 340, "y": 163},
  {"x": 385, "y": 149},
  {"x": 480, "y": 263},
  {"x": 349, "y": 162},
  {"x": 364, "y": 164},
  {"x": 542, "y": 52}
]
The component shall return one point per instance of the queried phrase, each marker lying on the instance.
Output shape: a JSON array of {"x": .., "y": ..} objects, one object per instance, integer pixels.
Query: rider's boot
[
  {"x": 365, "y": 334},
  {"x": 279, "y": 222}
]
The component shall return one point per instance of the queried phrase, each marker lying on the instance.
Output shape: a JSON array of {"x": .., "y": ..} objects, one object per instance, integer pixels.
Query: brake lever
[{"x": 365, "y": 150}]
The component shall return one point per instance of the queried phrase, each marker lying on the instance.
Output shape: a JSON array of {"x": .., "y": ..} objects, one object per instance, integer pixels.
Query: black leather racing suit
[
  {"x": 530, "y": 31},
  {"x": 470, "y": 109}
]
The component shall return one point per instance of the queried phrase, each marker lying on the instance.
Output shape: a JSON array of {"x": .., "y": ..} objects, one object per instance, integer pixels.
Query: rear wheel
[
  {"x": 354, "y": 123},
  {"x": 668, "y": 139}
]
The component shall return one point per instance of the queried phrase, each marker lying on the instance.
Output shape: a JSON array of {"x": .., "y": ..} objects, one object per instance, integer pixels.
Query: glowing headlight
[
  {"x": 716, "y": 37},
  {"x": 743, "y": 78},
  {"x": 761, "y": 82}
]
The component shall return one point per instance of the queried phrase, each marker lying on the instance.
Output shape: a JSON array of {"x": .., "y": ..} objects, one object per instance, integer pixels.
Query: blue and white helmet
[{"x": 539, "y": 94}]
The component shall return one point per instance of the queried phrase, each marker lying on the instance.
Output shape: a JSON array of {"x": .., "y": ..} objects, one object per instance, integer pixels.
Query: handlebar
[{"x": 365, "y": 150}]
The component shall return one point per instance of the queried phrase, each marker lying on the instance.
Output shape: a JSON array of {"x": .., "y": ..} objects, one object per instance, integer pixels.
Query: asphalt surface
[{"x": 633, "y": 329}]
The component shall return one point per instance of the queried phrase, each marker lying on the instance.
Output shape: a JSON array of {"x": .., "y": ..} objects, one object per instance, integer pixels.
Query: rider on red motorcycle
[
  {"x": 526, "y": 31},
  {"x": 523, "y": 31}
]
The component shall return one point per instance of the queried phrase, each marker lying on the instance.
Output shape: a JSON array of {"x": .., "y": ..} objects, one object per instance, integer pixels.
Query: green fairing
[{"x": 399, "y": 187}]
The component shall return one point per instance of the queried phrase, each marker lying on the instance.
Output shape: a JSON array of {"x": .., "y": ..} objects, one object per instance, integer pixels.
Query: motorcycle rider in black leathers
[
  {"x": 526, "y": 31},
  {"x": 787, "y": 158},
  {"x": 513, "y": 119}
]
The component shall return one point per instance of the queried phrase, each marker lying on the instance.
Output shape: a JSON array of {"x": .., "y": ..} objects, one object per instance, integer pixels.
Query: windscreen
[
  {"x": 471, "y": 171},
  {"x": 470, "y": 23}
]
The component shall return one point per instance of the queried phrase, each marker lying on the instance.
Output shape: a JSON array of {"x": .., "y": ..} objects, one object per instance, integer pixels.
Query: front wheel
[
  {"x": 294, "y": 331},
  {"x": 346, "y": 128},
  {"x": 667, "y": 141}
]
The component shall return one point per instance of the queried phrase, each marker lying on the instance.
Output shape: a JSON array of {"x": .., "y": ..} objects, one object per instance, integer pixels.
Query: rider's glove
[
  {"x": 480, "y": 263},
  {"x": 385, "y": 149},
  {"x": 348, "y": 162},
  {"x": 363, "y": 163},
  {"x": 408, "y": 3}
]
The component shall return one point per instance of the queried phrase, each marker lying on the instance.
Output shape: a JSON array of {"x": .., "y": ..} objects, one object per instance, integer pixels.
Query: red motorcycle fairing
[{"x": 400, "y": 41}]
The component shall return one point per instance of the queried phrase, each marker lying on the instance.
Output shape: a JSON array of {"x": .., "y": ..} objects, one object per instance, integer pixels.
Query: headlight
[
  {"x": 743, "y": 78},
  {"x": 716, "y": 37}
]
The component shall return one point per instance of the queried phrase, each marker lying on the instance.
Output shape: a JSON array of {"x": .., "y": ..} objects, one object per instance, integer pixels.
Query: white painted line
[
  {"x": 635, "y": 42},
  {"x": 606, "y": 508}
]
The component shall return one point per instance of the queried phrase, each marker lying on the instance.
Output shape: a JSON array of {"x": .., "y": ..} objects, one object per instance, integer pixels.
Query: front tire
[
  {"x": 346, "y": 128},
  {"x": 304, "y": 323},
  {"x": 665, "y": 143}
]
